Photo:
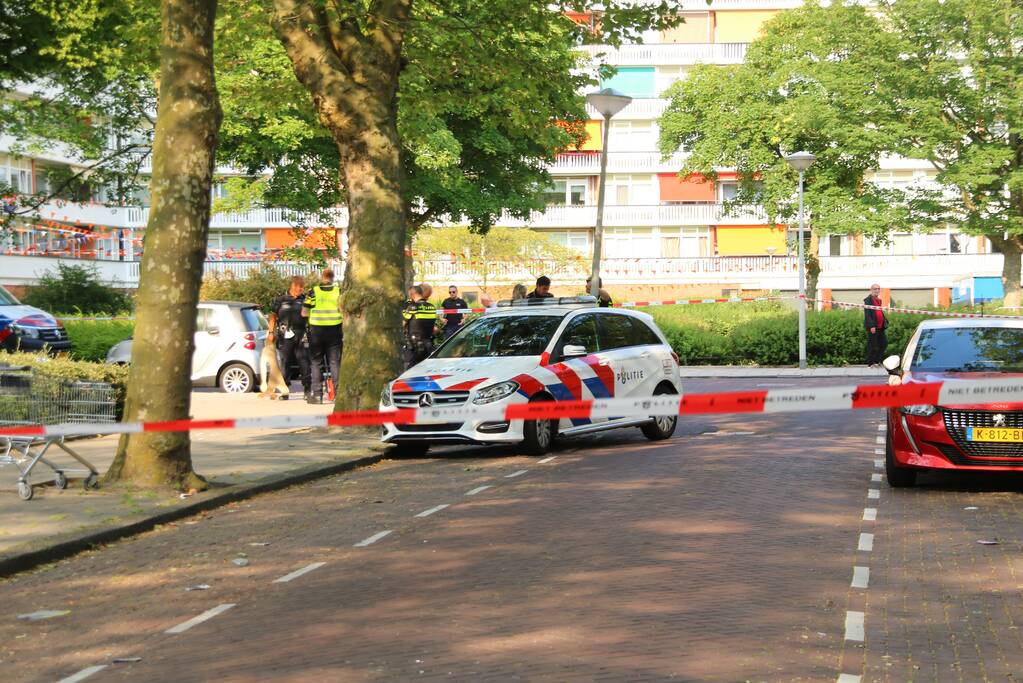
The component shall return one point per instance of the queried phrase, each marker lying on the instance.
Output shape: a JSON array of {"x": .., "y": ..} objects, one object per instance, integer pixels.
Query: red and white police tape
[
  {"x": 967, "y": 392},
  {"x": 894, "y": 309}
]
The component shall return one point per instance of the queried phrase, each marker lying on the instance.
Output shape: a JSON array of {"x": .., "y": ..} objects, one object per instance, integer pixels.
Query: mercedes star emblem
[{"x": 426, "y": 400}]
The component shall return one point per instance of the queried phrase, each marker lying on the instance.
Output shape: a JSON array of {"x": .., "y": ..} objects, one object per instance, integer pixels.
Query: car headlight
[
  {"x": 27, "y": 332},
  {"x": 921, "y": 410},
  {"x": 385, "y": 396},
  {"x": 495, "y": 392}
]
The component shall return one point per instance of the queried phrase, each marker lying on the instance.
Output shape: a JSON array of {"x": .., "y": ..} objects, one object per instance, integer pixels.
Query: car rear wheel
[
  {"x": 663, "y": 426},
  {"x": 898, "y": 477},
  {"x": 237, "y": 378},
  {"x": 538, "y": 435}
]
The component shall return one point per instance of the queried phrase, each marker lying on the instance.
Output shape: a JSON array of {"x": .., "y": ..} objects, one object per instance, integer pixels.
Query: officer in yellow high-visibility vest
[
  {"x": 420, "y": 318},
  {"x": 322, "y": 306}
]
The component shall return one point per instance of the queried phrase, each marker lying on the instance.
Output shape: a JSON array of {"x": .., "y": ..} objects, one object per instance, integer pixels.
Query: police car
[{"x": 531, "y": 351}]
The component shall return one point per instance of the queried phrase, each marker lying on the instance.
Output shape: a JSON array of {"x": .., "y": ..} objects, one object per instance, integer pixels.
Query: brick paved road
[{"x": 724, "y": 554}]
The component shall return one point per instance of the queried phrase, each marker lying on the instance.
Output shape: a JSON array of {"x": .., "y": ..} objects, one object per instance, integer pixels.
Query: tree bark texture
[
  {"x": 1011, "y": 248},
  {"x": 351, "y": 69},
  {"x": 187, "y": 124}
]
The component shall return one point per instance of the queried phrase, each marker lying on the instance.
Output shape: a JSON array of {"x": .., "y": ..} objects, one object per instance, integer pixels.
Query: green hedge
[
  {"x": 768, "y": 334},
  {"x": 261, "y": 286},
  {"x": 76, "y": 289},
  {"x": 74, "y": 370},
  {"x": 91, "y": 339}
]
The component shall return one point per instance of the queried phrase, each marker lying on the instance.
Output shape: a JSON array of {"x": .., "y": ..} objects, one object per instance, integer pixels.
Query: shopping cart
[{"x": 32, "y": 398}]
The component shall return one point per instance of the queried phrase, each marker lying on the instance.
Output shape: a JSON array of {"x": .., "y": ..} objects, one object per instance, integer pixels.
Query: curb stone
[{"x": 67, "y": 545}]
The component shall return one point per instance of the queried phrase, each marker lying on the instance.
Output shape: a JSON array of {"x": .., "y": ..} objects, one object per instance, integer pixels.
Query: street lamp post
[
  {"x": 608, "y": 102},
  {"x": 800, "y": 161}
]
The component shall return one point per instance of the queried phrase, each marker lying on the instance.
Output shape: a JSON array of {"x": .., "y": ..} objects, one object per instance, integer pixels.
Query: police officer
[
  {"x": 289, "y": 328},
  {"x": 322, "y": 306},
  {"x": 420, "y": 321}
]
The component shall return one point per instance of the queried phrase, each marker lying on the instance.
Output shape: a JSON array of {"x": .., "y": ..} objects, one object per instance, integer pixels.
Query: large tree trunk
[
  {"x": 187, "y": 123},
  {"x": 1011, "y": 248},
  {"x": 351, "y": 68}
]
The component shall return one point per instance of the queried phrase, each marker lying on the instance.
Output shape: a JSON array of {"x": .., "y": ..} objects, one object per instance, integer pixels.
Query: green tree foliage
[
  {"x": 76, "y": 289},
  {"x": 485, "y": 257},
  {"x": 261, "y": 286},
  {"x": 928, "y": 79}
]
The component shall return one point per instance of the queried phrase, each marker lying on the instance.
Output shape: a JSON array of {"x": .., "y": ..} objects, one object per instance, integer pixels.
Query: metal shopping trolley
[{"x": 32, "y": 398}]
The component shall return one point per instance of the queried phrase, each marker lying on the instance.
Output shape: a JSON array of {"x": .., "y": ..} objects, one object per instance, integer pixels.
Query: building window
[
  {"x": 637, "y": 190},
  {"x": 632, "y": 136},
  {"x": 578, "y": 240},
  {"x": 728, "y": 191},
  {"x": 571, "y": 191}
]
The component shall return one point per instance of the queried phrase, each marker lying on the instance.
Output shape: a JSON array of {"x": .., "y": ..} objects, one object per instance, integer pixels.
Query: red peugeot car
[{"x": 954, "y": 437}]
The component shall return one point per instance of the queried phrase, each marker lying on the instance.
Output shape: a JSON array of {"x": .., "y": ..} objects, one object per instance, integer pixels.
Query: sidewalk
[
  {"x": 753, "y": 371},
  {"x": 56, "y": 523}
]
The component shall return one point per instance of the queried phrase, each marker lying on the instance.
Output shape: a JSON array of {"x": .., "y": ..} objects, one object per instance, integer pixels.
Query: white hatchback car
[
  {"x": 548, "y": 350},
  {"x": 229, "y": 336}
]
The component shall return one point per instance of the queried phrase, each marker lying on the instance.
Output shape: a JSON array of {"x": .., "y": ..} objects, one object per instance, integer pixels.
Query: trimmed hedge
[
  {"x": 73, "y": 370},
  {"x": 76, "y": 289},
  {"x": 768, "y": 334},
  {"x": 261, "y": 286},
  {"x": 91, "y": 339}
]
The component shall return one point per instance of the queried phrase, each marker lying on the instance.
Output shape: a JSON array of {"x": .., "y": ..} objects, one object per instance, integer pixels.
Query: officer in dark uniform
[
  {"x": 420, "y": 318},
  {"x": 289, "y": 327}
]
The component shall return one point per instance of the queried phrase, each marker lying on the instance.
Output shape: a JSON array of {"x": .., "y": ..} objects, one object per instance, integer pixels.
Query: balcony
[
  {"x": 639, "y": 108},
  {"x": 588, "y": 163},
  {"x": 658, "y": 215},
  {"x": 669, "y": 54},
  {"x": 98, "y": 215}
]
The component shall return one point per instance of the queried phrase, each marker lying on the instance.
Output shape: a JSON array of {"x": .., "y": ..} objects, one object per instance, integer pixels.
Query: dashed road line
[
  {"x": 546, "y": 460},
  {"x": 515, "y": 474},
  {"x": 880, "y": 439},
  {"x": 83, "y": 674},
  {"x": 879, "y": 464},
  {"x": 874, "y": 493},
  {"x": 848, "y": 678},
  {"x": 372, "y": 539},
  {"x": 861, "y": 577},
  {"x": 854, "y": 626},
  {"x": 869, "y": 514},
  {"x": 878, "y": 451},
  {"x": 876, "y": 476},
  {"x": 866, "y": 543},
  {"x": 882, "y": 427},
  {"x": 478, "y": 489},
  {"x": 299, "y": 572},
  {"x": 195, "y": 621},
  {"x": 435, "y": 508}
]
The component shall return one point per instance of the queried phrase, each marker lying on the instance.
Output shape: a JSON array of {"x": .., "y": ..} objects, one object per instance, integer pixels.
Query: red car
[{"x": 985, "y": 437}]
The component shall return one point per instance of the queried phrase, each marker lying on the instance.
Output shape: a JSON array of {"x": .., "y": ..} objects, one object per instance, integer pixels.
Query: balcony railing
[
  {"x": 588, "y": 163},
  {"x": 642, "y": 216},
  {"x": 669, "y": 54}
]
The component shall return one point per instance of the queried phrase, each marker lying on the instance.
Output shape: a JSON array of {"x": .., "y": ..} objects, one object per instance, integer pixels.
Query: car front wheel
[
  {"x": 898, "y": 477},
  {"x": 237, "y": 378},
  {"x": 538, "y": 435}
]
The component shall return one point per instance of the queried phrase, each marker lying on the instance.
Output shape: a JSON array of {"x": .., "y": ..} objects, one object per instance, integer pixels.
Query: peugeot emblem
[
  {"x": 998, "y": 420},
  {"x": 426, "y": 400}
]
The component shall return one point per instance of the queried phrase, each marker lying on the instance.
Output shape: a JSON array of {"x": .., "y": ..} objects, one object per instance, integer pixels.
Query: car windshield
[
  {"x": 254, "y": 319},
  {"x": 969, "y": 349},
  {"x": 506, "y": 335},
  {"x": 7, "y": 299}
]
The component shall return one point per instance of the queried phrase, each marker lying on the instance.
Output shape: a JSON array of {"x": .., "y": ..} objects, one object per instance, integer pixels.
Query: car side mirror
[
  {"x": 893, "y": 364},
  {"x": 573, "y": 351}
]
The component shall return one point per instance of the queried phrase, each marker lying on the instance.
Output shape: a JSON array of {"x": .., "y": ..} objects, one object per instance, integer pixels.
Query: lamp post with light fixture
[
  {"x": 800, "y": 161},
  {"x": 607, "y": 102}
]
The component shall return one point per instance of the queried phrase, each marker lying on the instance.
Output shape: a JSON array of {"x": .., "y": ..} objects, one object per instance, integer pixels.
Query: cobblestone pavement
[{"x": 724, "y": 554}]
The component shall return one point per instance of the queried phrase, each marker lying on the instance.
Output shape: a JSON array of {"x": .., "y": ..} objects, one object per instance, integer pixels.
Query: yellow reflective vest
[{"x": 324, "y": 310}]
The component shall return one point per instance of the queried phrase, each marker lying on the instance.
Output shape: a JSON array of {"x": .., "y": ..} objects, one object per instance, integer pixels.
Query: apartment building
[{"x": 663, "y": 235}]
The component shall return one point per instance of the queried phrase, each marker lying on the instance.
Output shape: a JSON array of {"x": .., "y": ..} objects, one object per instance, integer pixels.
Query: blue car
[{"x": 26, "y": 328}]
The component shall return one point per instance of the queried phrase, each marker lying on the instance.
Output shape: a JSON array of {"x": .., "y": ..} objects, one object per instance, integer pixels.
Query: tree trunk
[
  {"x": 350, "y": 65},
  {"x": 1011, "y": 248},
  {"x": 187, "y": 123}
]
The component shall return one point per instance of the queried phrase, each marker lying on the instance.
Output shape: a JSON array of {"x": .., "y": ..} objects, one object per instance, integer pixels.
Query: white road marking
[
  {"x": 546, "y": 460},
  {"x": 195, "y": 621},
  {"x": 854, "y": 626},
  {"x": 876, "y": 476},
  {"x": 478, "y": 489},
  {"x": 869, "y": 514},
  {"x": 880, "y": 439},
  {"x": 866, "y": 542},
  {"x": 83, "y": 674},
  {"x": 515, "y": 474},
  {"x": 882, "y": 427},
  {"x": 873, "y": 493},
  {"x": 879, "y": 463},
  {"x": 299, "y": 572},
  {"x": 861, "y": 577},
  {"x": 878, "y": 451},
  {"x": 848, "y": 678},
  {"x": 436, "y": 508},
  {"x": 372, "y": 539}
]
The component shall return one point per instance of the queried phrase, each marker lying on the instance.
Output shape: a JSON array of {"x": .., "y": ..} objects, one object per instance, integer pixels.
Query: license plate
[{"x": 993, "y": 434}]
